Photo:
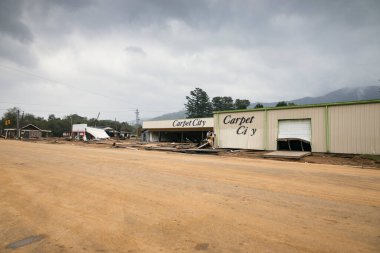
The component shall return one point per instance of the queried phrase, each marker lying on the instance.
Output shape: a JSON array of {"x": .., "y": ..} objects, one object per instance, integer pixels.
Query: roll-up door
[
  {"x": 294, "y": 135},
  {"x": 295, "y": 129}
]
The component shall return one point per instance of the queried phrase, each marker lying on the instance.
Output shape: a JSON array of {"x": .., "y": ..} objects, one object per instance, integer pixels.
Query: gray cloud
[
  {"x": 135, "y": 50},
  {"x": 260, "y": 50},
  {"x": 11, "y": 21},
  {"x": 16, "y": 52}
]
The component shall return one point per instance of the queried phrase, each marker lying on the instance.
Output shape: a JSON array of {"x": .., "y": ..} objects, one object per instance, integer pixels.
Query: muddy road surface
[{"x": 65, "y": 198}]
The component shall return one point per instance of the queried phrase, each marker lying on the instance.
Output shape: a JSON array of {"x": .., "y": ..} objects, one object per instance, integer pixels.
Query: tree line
[
  {"x": 57, "y": 125},
  {"x": 199, "y": 104}
]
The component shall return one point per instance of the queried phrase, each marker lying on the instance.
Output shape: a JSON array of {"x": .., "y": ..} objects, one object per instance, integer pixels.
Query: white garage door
[{"x": 299, "y": 128}]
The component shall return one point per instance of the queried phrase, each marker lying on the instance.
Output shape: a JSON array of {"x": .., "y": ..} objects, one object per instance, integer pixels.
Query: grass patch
[{"x": 375, "y": 158}]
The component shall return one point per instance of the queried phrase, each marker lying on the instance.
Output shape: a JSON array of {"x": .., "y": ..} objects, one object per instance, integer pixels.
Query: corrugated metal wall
[
  {"x": 344, "y": 128},
  {"x": 227, "y": 136},
  {"x": 355, "y": 129},
  {"x": 236, "y": 135},
  {"x": 317, "y": 116}
]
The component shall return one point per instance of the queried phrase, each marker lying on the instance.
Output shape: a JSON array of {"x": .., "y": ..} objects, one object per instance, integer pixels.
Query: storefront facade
[{"x": 177, "y": 130}]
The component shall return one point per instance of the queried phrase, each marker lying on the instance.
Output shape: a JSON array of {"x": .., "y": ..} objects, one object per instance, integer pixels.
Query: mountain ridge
[{"x": 341, "y": 95}]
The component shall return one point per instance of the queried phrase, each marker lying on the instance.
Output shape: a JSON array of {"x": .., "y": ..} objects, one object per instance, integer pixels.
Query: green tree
[
  {"x": 76, "y": 119},
  {"x": 126, "y": 127},
  {"x": 51, "y": 117},
  {"x": 281, "y": 103},
  {"x": 57, "y": 125},
  {"x": 241, "y": 104},
  {"x": 259, "y": 105},
  {"x": 11, "y": 114},
  {"x": 198, "y": 104},
  {"x": 222, "y": 103},
  {"x": 29, "y": 118}
]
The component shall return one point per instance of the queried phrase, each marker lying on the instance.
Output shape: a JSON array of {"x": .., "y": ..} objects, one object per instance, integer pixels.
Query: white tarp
[
  {"x": 97, "y": 133},
  {"x": 300, "y": 128}
]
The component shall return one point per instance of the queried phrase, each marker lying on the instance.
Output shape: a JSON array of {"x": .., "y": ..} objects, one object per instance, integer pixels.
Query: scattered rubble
[{"x": 361, "y": 161}]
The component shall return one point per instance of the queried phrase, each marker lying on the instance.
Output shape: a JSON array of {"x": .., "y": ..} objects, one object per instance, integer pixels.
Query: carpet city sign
[
  {"x": 239, "y": 122},
  {"x": 189, "y": 123}
]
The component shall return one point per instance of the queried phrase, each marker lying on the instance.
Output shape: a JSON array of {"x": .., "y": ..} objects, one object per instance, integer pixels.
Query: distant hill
[
  {"x": 172, "y": 115},
  {"x": 341, "y": 95}
]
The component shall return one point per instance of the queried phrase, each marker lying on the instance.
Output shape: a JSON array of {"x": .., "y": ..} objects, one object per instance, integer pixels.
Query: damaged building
[
  {"x": 347, "y": 127},
  {"x": 29, "y": 131},
  {"x": 178, "y": 130},
  {"x": 84, "y": 132}
]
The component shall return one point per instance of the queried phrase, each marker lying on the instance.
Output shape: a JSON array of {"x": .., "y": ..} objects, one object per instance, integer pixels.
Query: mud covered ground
[{"x": 81, "y": 198}]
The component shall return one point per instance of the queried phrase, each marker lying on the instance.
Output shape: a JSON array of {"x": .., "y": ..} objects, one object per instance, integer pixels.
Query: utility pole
[
  {"x": 137, "y": 121},
  {"x": 71, "y": 127},
  {"x": 97, "y": 119},
  {"x": 137, "y": 116},
  {"x": 18, "y": 124}
]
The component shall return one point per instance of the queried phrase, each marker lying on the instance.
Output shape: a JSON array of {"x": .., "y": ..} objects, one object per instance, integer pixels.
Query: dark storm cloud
[
  {"x": 11, "y": 23},
  {"x": 237, "y": 23},
  {"x": 238, "y": 48},
  {"x": 325, "y": 25}
]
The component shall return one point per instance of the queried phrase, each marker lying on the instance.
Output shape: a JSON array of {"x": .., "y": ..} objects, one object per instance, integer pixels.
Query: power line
[
  {"x": 76, "y": 111},
  {"x": 60, "y": 83},
  {"x": 68, "y": 85},
  {"x": 71, "y": 105}
]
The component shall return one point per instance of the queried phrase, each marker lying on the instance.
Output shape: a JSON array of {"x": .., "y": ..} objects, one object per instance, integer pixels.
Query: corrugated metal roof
[{"x": 303, "y": 106}]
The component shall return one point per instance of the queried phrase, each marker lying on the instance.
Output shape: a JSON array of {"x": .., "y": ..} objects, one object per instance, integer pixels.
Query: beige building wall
[
  {"x": 235, "y": 135},
  {"x": 179, "y": 123},
  {"x": 317, "y": 116},
  {"x": 355, "y": 129}
]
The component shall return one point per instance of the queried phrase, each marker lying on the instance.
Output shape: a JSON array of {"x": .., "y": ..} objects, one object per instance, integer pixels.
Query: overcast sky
[{"x": 85, "y": 57}]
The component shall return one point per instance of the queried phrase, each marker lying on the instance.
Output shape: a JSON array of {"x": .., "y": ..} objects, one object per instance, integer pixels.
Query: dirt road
[{"x": 64, "y": 198}]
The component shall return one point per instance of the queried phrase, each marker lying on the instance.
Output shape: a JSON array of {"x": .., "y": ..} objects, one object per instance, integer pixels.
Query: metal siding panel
[
  {"x": 376, "y": 126},
  {"x": 78, "y": 127},
  {"x": 355, "y": 128},
  {"x": 227, "y": 136},
  {"x": 168, "y": 124},
  {"x": 317, "y": 116}
]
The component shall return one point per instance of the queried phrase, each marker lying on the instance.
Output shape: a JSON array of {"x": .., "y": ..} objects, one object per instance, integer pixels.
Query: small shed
[
  {"x": 111, "y": 132},
  {"x": 29, "y": 131}
]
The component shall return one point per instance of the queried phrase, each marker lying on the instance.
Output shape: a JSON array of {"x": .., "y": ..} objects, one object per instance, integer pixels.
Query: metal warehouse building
[{"x": 350, "y": 127}]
